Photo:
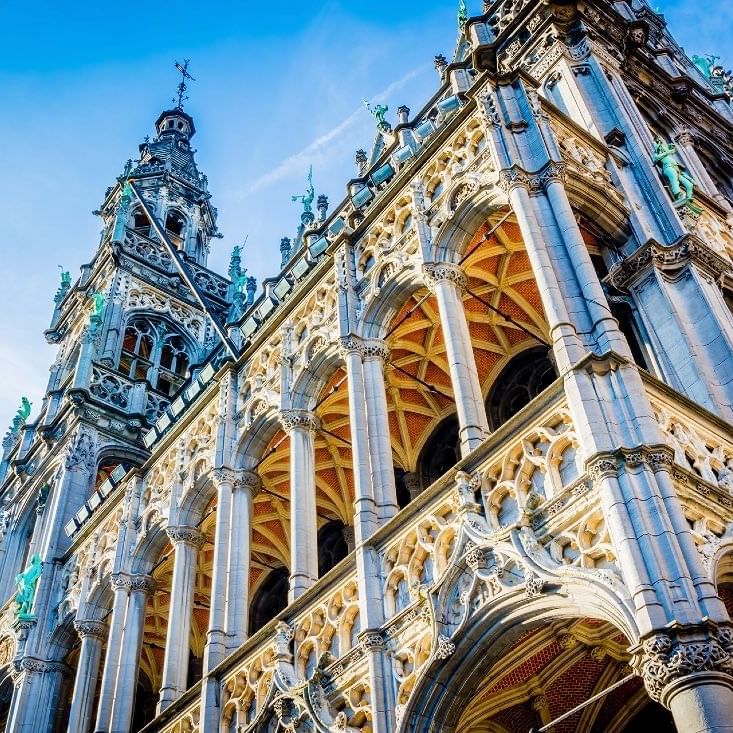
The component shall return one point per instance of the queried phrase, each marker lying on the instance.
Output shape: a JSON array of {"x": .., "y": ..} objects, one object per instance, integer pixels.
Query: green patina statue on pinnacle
[
  {"x": 378, "y": 111},
  {"x": 681, "y": 183},
  {"x": 27, "y": 581},
  {"x": 98, "y": 302},
  {"x": 21, "y": 415},
  {"x": 310, "y": 194},
  {"x": 706, "y": 64},
  {"x": 462, "y": 14}
]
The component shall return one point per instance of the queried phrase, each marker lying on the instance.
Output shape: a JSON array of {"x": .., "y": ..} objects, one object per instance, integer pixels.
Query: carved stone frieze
[{"x": 95, "y": 629}]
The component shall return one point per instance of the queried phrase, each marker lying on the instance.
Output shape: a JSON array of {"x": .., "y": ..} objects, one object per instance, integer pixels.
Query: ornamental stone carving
[
  {"x": 668, "y": 260},
  {"x": 95, "y": 629},
  {"x": 377, "y": 349},
  {"x": 664, "y": 658},
  {"x": 294, "y": 419},
  {"x": 350, "y": 345},
  {"x": 535, "y": 183},
  {"x": 435, "y": 272},
  {"x": 248, "y": 480},
  {"x": 187, "y": 535},
  {"x": 129, "y": 583}
]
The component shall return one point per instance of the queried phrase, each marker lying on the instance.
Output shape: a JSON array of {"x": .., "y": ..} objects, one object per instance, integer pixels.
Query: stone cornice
[{"x": 669, "y": 259}]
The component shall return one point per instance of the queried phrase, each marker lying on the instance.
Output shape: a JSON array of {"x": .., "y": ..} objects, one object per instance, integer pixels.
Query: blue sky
[{"x": 278, "y": 87}]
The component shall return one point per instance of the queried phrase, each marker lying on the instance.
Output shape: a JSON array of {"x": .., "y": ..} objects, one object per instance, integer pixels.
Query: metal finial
[{"x": 183, "y": 69}]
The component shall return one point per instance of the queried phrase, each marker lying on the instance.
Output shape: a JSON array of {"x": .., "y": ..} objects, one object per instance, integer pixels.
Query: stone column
[
  {"x": 216, "y": 646},
  {"x": 240, "y": 548},
  {"x": 447, "y": 282},
  {"x": 92, "y": 634},
  {"x": 301, "y": 426},
  {"x": 186, "y": 541},
  {"x": 691, "y": 329},
  {"x": 129, "y": 661},
  {"x": 689, "y": 673},
  {"x": 365, "y": 508},
  {"x": 38, "y": 695},
  {"x": 120, "y": 586},
  {"x": 376, "y": 355}
]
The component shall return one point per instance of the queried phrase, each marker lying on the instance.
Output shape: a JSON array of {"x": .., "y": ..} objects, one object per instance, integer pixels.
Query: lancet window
[
  {"x": 155, "y": 351},
  {"x": 271, "y": 597}
]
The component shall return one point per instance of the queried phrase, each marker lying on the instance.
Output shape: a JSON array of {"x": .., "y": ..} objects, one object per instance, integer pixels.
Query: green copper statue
[
  {"x": 378, "y": 111},
  {"x": 27, "y": 582},
  {"x": 706, "y": 64},
  {"x": 65, "y": 279},
  {"x": 462, "y": 14},
  {"x": 22, "y": 415},
  {"x": 309, "y": 195},
  {"x": 680, "y": 181},
  {"x": 98, "y": 302}
]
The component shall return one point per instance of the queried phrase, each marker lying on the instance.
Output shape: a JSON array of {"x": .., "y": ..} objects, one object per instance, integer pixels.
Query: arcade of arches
[{"x": 526, "y": 688}]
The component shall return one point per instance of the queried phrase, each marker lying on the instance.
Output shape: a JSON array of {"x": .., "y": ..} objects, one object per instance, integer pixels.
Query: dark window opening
[
  {"x": 141, "y": 223},
  {"x": 271, "y": 597},
  {"x": 522, "y": 379},
  {"x": 145, "y": 702},
  {"x": 174, "y": 225},
  {"x": 332, "y": 547},
  {"x": 403, "y": 492},
  {"x": 441, "y": 452},
  {"x": 195, "y": 669},
  {"x": 623, "y": 313}
]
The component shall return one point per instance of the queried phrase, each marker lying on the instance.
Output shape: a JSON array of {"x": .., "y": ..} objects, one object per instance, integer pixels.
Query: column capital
[
  {"x": 248, "y": 480},
  {"x": 187, "y": 535},
  {"x": 435, "y": 272},
  {"x": 377, "y": 349},
  {"x": 294, "y": 419},
  {"x": 223, "y": 476},
  {"x": 94, "y": 629},
  {"x": 665, "y": 659},
  {"x": 130, "y": 583},
  {"x": 350, "y": 345},
  {"x": 536, "y": 182}
]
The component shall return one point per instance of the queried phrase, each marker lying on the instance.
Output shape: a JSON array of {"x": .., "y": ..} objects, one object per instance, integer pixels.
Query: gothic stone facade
[{"x": 466, "y": 461}]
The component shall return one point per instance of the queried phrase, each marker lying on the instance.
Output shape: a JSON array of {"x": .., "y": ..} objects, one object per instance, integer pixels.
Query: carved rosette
[
  {"x": 299, "y": 419},
  {"x": 95, "y": 629},
  {"x": 187, "y": 535},
  {"x": 664, "y": 658},
  {"x": 535, "y": 183},
  {"x": 435, "y": 272}
]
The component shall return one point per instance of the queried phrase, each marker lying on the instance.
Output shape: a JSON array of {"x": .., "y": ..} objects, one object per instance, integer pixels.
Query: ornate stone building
[{"x": 464, "y": 464}]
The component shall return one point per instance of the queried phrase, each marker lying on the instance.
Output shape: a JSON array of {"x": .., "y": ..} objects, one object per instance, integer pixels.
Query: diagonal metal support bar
[{"x": 184, "y": 273}]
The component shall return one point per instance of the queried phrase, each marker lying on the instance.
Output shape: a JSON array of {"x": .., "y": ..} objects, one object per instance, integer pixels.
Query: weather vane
[{"x": 183, "y": 68}]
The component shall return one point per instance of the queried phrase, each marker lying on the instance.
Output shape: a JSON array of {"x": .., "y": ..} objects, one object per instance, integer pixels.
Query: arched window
[
  {"x": 332, "y": 547},
  {"x": 174, "y": 225},
  {"x": 521, "y": 380},
  {"x": 271, "y": 597},
  {"x": 140, "y": 222},
  {"x": 441, "y": 452},
  {"x": 154, "y": 351}
]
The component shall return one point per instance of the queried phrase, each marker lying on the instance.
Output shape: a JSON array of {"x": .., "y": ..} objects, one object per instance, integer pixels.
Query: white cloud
[{"x": 299, "y": 161}]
